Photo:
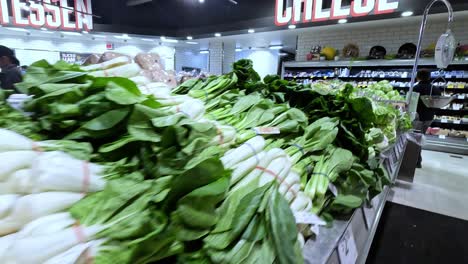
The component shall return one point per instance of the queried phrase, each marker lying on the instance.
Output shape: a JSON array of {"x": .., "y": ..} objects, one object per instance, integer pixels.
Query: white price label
[
  {"x": 382, "y": 75},
  {"x": 442, "y": 136},
  {"x": 457, "y": 122},
  {"x": 444, "y": 121},
  {"x": 448, "y": 76},
  {"x": 347, "y": 249},
  {"x": 461, "y": 97},
  {"x": 267, "y": 130},
  {"x": 308, "y": 218}
]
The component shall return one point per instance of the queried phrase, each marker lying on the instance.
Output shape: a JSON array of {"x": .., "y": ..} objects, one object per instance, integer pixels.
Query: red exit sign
[{"x": 315, "y": 12}]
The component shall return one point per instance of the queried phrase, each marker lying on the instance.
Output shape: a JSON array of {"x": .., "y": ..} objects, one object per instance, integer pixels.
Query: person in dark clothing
[
  {"x": 425, "y": 114},
  {"x": 10, "y": 72}
]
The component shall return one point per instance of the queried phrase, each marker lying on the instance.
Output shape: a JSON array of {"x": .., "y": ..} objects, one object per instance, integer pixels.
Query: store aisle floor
[
  {"x": 441, "y": 186},
  {"x": 412, "y": 236}
]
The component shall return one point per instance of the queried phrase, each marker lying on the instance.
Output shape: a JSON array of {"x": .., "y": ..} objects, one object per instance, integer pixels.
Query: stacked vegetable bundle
[{"x": 165, "y": 181}]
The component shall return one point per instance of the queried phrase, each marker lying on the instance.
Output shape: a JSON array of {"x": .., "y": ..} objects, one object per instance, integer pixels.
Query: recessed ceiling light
[
  {"x": 276, "y": 47},
  {"x": 147, "y": 39},
  {"x": 189, "y": 37},
  {"x": 292, "y": 26},
  {"x": 201, "y": 1},
  {"x": 342, "y": 21},
  {"x": 163, "y": 38},
  {"x": 99, "y": 36},
  {"x": 251, "y": 31},
  {"x": 192, "y": 42},
  {"x": 217, "y": 35},
  {"x": 238, "y": 49},
  {"x": 204, "y": 51},
  {"x": 124, "y": 36},
  {"x": 407, "y": 14}
]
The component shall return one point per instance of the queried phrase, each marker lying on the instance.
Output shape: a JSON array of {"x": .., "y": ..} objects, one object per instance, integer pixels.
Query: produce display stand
[
  {"x": 456, "y": 75},
  {"x": 446, "y": 144},
  {"x": 349, "y": 241}
]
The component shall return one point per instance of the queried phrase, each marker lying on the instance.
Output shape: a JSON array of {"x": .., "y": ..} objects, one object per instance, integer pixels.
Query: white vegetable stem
[
  {"x": 41, "y": 248},
  {"x": 20, "y": 182},
  {"x": 31, "y": 207},
  {"x": 47, "y": 225},
  {"x": 57, "y": 171},
  {"x": 245, "y": 151},
  {"x": 15, "y": 160},
  {"x": 10, "y": 141}
]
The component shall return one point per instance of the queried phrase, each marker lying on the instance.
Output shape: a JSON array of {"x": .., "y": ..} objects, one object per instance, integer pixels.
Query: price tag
[
  {"x": 461, "y": 86},
  {"x": 347, "y": 249},
  {"x": 442, "y": 136},
  {"x": 404, "y": 75},
  {"x": 308, "y": 218},
  {"x": 267, "y": 130},
  {"x": 444, "y": 121},
  {"x": 382, "y": 75},
  {"x": 457, "y": 122},
  {"x": 450, "y": 86},
  {"x": 461, "y": 97},
  {"x": 448, "y": 76}
]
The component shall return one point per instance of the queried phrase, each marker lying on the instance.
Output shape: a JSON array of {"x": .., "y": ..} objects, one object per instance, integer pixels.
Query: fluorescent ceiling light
[
  {"x": 342, "y": 21},
  {"x": 217, "y": 35},
  {"x": 276, "y": 47},
  {"x": 85, "y": 32},
  {"x": 189, "y": 37},
  {"x": 251, "y": 31},
  {"x": 292, "y": 26},
  {"x": 164, "y": 39},
  {"x": 204, "y": 51},
  {"x": 201, "y": 1},
  {"x": 282, "y": 54},
  {"x": 238, "y": 49},
  {"x": 124, "y": 36},
  {"x": 17, "y": 29},
  {"x": 99, "y": 36},
  {"x": 192, "y": 42},
  {"x": 44, "y": 29},
  {"x": 71, "y": 33},
  {"x": 407, "y": 14},
  {"x": 147, "y": 39}
]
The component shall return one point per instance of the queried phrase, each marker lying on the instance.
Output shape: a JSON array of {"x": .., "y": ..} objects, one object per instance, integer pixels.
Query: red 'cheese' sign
[{"x": 314, "y": 11}]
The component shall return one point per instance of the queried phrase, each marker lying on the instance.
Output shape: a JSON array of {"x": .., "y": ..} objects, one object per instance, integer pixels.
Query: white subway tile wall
[
  {"x": 190, "y": 58},
  {"x": 216, "y": 58},
  {"x": 391, "y": 37},
  {"x": 229, "y": 56}
]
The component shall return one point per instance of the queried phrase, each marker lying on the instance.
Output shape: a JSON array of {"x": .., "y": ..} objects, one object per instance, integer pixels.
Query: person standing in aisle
[
  {"x": 425, "y": 114},
  {"x": 11, "y": 73}
]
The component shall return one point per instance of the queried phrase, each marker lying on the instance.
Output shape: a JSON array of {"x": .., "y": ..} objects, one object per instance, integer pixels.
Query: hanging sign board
[
  {"x": 68, "y": 15},
  {"x": 315, "y": 11}
]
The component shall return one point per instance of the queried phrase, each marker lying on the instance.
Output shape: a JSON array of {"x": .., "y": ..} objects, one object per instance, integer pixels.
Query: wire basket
[{"x": 437, "y": 101}]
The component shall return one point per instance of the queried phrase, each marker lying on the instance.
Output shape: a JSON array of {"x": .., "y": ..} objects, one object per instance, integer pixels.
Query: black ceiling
[{"x": 189, "y": 17}]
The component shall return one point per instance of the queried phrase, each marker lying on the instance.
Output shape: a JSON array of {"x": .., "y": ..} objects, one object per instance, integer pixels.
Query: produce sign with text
[{"x": 53, "y": 14}]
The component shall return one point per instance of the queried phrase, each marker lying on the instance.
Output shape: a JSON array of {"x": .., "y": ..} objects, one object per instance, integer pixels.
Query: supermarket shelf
[
  {"x": 364, "y": 78},
  {"x": 356, "y": 233},
  {"x": 448, "y": 145},
  {"x": 450, "y": 125},
  {"x": 451, "y": 112},
  {"x": 368, "y": 63}
]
